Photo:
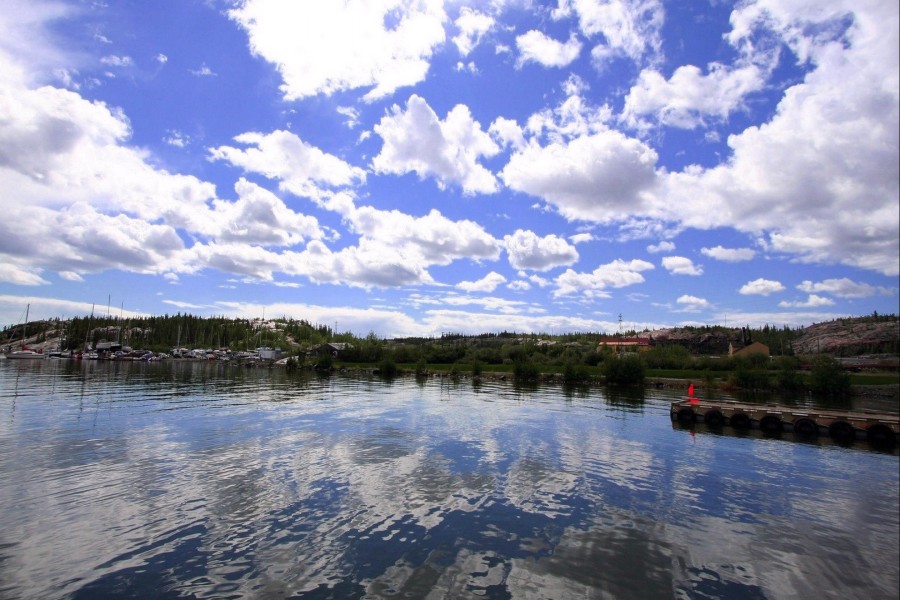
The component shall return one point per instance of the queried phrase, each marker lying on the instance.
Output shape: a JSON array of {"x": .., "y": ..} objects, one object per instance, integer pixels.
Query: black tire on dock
[
  {"x": 770, "y": 424},
  {"x": 806, "y": 428},
  {"x": 881, "y": 436},
  {"x": 740, "y": 420},
  {"x": 685, "y": 415},
  {"x": 842, "y": 431},
  {"x": 714, "y": 418}
]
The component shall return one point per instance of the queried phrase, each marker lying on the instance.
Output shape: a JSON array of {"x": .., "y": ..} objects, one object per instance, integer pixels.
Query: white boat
[{"x": 24, "y": 354}]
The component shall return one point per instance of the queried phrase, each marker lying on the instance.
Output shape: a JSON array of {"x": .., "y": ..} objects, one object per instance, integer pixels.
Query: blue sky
[{"x": 420, "y": 167}]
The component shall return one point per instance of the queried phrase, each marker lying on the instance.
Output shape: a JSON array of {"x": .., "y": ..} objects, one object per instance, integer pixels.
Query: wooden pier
[{"x": 880, "y": 429}]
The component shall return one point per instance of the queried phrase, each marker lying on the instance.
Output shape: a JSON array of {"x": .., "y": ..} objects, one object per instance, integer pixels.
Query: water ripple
[{"x": 203, "y": 480}]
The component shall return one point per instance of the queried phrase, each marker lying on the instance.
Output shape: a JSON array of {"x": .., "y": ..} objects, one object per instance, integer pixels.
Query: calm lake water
[{"x": 197, "y": 480}]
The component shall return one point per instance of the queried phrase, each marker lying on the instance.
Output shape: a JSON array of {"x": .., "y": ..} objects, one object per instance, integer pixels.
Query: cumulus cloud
[
  {"x": 581, "y": 238},
  {"x": 434, "y": 237},
  {"x": 527, "y": 250},
  {"x": 820, "y": 178},
  {"x": 688, "y": 303},
  {"x": 472, "y": 25},
  {"x": 416, "y": 140},
  {"x": 259, "y": 217},
  {"x": 729, "y": 254},
  {"x": 328, "y": 47},
  {"x": 598, "y": 177},
  {"x": 681, "y": 265},
  {"x": 488, "y": 283},
  {"x": 507, "y": 133},
  {"x": 663, "y": 246},
  {"x": 761, "y": 287},
  {"x": 595, "y": 284},
  {"x": 689, "y": 96},
  {"x": 302, "y": 169},
  {"x": 536, "y": 46},
  {"x": 629, "y": 28}
]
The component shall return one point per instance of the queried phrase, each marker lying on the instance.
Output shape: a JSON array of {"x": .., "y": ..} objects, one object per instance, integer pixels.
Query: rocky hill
[
  {"x": 850, "y": 337},
  {"x": 847, "y": 337}
]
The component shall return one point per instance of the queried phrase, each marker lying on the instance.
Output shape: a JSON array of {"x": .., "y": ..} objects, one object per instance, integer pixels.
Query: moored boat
[{"x": 25, "y": 354}]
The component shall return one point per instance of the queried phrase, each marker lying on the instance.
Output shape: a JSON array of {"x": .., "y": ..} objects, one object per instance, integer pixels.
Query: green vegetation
[
  {"x": 627, "y": 370},
  {"x": 829, "y": 378},
  {"x": 573, "y": 358}
]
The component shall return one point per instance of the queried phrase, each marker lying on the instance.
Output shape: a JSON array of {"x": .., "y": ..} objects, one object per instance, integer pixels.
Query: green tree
[
  {"x": 626, "y": 370},
  {"x": 828, "y": 377}
]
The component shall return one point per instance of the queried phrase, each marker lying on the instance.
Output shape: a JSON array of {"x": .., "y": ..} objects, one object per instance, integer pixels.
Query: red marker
[{"x": 691, "y": 395}]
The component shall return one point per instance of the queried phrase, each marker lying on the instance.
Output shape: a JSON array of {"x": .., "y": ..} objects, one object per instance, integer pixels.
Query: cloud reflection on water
[{"x": 354, "y": 487}]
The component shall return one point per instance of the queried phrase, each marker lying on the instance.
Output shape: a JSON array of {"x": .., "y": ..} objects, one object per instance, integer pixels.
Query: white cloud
[
  {"x": 629, "y": 28},
  {"x": 572, "y": 118},
  {"x": 681, "y": 265},
  {"x": 301, "y": 169},
  {"x": 813, "y": 301},
  {"x": 689, "y": 96},
  {"x": 352, "y": 115},
  {"x": 327, "y": 47},
  {"x": 162, "y": 58},
  {"x": 581, "y": 238},
  {"x": 527, "y": 250},
  {"x": 507, "y": 133},
  {"x": 598, "y": 177},
  {"x": 690, "y": 303},
  {"x": 177, "y": 139},
  {"x": 203, "y": 71},
  {"x": 433, "y": 237},
  {"x": 729, "y": 254},
  {"x": 842, "y": 288},
  {"x": 70, "y": 276},
  {"x": 663, "y": 246},
  {"x": 488, "y": 283},
  {"x": 15, "y": 275},
  {"x": 616, "y": 274},
  {"x": 259, "y": 217},
  {"x": 820, "y": 178},
  {"x": 536, "y": 46},
  {"x": 113, "y": 60},
  {"x": 417, "y": 141},
  {"x": 472, "y": 25},
  {"x": 761, "y": 287}
]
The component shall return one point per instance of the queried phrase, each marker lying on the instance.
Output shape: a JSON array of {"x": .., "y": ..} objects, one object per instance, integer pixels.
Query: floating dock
[{"x": 880, "y": 429}]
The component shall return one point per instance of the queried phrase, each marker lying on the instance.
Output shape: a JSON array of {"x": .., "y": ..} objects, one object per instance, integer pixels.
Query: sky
[{"x": 421, "y": 167}]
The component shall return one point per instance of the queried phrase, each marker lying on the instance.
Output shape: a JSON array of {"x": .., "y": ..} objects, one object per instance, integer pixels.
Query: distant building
[
  {"x": 266, "y": 353},
  {"x": 332, "y": 348},
  {"x": 625, "y": 344},
  {"x": 752, "y": 348}
]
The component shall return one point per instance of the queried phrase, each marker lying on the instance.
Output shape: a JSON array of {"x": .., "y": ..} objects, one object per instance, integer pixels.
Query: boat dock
[{"x": 879, "y": 429}]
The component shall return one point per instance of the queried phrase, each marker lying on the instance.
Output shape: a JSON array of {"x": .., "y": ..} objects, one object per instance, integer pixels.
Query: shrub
[
  {"x": 388, "y": 368},
  {"x": 788, "y": 373},
  {"x": 476, "y": 368},
  {"x": 627, "y": 370},
  {"x": 748, "y": 378},
  {"x": 828, "y": 377},
  {"x": 421, "y": 368},
  {"x": 525, "y": 371},
  {"x": 575, "y": 373}
]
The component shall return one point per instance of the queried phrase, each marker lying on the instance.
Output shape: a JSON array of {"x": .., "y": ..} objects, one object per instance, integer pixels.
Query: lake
[{"x": 201, "y": 480}]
